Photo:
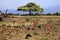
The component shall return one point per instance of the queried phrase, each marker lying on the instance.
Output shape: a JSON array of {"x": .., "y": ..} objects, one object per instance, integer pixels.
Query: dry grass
[{"x": 17, "y": 28}]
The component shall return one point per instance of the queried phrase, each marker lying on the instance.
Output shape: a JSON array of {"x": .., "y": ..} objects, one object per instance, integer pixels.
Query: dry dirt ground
[{"x": 30, "y": 28}]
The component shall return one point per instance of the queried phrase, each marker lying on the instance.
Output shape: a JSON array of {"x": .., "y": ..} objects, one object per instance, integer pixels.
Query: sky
[{"x": 47, "y": 5}]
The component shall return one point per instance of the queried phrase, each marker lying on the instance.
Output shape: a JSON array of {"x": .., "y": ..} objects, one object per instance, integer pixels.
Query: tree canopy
[{"x": 30, "y": 6}]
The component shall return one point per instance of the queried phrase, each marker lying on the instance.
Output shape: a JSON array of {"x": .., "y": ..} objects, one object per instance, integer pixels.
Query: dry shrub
[
  {"x": 48, "y": 25},
  {"x": 27, "y": 36}
]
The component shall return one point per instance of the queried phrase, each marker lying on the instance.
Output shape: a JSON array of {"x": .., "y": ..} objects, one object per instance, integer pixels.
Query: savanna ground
[{"x": 30, "y": 28}]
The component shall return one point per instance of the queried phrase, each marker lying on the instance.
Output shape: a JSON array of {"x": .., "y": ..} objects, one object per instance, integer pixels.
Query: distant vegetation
[
  {"x": 31, "y": 8},
  {"x": 33, "y": 14}
]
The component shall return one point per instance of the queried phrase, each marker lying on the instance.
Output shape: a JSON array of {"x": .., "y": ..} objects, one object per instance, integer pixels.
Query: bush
[
  {"x": 27, "y": 36},
  {"x": 28, "y": 28},
  {"x": 39, "y": 26},
  {"x": 27, "y": 19},
  {"x": 0, "y": 19}
]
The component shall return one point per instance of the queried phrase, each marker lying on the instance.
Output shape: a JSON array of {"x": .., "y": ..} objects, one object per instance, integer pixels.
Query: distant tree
[
  {"x": 56, "y": 13},
  {"x": 48, "y": 14},
  {"x": 30, "y": 7},
  {"x": 6, "y": 11},
  {"x": 0, "y": 10},
  {"x": 10, "y": 13}
]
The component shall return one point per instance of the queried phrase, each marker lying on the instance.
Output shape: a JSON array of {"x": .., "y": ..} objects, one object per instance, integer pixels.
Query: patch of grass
[
  {"x": 44, "y": 39},
  {"x": 1, "y": 22},
  {"x": 27, "y": 19},
  {"x": 33, "y": 28},
  {"x": 36, "y": 34}
]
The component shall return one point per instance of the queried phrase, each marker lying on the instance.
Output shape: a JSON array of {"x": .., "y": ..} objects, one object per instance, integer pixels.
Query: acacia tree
[{"x": 30, "y": 7}]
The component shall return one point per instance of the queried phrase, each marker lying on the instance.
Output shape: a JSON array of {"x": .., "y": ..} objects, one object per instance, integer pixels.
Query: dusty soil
[{"x": 30, "y": 28}]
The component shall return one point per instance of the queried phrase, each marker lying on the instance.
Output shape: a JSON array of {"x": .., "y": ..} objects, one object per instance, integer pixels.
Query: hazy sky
[{"x": 48, "y": 5}]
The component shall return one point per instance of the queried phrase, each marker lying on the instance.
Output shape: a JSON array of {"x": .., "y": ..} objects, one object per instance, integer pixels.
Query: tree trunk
[{"x": 30, "y": 12}]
